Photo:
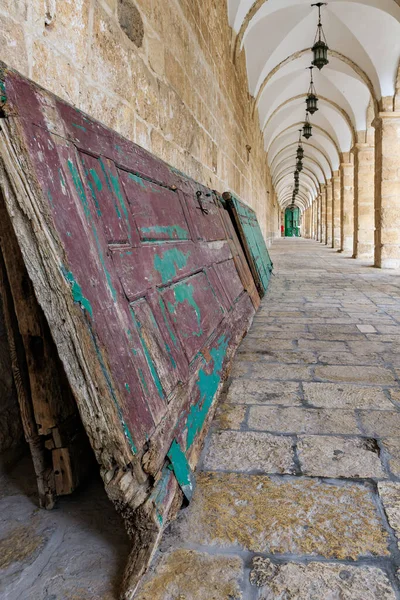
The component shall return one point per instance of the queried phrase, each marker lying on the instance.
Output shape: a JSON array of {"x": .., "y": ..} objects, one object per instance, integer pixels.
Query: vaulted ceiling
[{"x": 277, "y": 35}]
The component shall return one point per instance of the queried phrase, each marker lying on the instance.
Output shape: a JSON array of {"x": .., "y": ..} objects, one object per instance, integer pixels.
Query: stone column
[
  {"x": 320, "y": 217},
  {"x": 387, "y": 190},
  {"x": 336, "y": 211},
  {"x": 364, "y": 198},
  {"x": 315, "y": 204},
  {"x": 347, "y": 200},
  {"x": 329, "y": 197},
  {"x": 323, "y": 214}
]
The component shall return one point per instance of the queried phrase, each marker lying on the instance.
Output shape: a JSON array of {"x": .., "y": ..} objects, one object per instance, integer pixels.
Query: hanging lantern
[
  {"x": 320, "y": 48},
  {"x": 299, "y": 165},
  {"x": 307, "y": 128},
  {"x": 312, "y": 99},
  {"x": 296, "y": 176},
  {"x": 300, "y": 149},
  {"x": 300, "y": 153}
]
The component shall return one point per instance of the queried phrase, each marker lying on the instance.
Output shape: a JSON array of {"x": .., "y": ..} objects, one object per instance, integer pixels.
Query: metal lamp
[
  {"x": 320, "y": 48},
  {"x": 312, "y": 99},
  {"x": 307, "y": 128}
]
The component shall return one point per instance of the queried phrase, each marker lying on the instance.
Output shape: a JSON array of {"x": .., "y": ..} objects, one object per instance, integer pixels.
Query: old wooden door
[{"x": 132, "y": 267}]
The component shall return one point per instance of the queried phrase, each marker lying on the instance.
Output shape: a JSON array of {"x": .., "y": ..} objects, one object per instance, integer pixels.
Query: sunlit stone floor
[{"x": 298, "y": 489}]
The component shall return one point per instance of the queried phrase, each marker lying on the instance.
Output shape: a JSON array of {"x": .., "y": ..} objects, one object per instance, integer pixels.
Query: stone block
[
  {"x": 298, "y": 516},
  {"x": 249, "y": 451},
  {"x": 333, "y": 395},
  {"x": 380, "y": 423},
  {"x": 283, "y": 372},
  {"x": 301, "y": 420},
  {"x": 56, "y": 73},
  {"x": 13, "y": 47},
  {"x": 230, "y": 416},
  {"x": 340, "y": 457},
  {"x": 347, "y": 358},
  {"x": 67, "y": 30},
  {"x": 110, "y": 110},
  {"x": 392, "y": 448},
  {"x": 328, "y": 582},
  {"x": 188, "y": 574},
  {"x": 377, "y": 375},
  {"x": 390, "y": 495},
  {"x": 247, "y": 391}
]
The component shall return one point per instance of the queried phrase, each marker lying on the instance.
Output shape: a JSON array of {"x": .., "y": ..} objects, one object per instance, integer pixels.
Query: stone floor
[{"x": 298, "y": 489}]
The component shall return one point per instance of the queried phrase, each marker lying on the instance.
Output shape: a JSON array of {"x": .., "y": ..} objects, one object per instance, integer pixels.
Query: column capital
[{"x": 384, "y": 116}]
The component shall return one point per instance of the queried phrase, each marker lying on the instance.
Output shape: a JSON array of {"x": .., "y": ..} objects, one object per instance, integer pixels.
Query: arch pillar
[
  {"x": 364, "y": 199},
  {"x": 347, "y": 202},
  {"x": 321, "y": 219},
  {"x": 336, "y": 211},
  {"x": 315, "y": 205},
  {"x": 329, "y": 227},
  {"x": 323, "y": 214},
  {"x": 387, "y": 190}
]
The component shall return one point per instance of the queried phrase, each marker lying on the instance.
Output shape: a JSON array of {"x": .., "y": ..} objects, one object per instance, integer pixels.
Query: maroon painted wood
[{"x": 149, "y": 264}]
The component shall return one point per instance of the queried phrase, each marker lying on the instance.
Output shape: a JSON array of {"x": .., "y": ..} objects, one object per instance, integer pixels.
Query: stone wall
[{"x": 159, "y": 72}]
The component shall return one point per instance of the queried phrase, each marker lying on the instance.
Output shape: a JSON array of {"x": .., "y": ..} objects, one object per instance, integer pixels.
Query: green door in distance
[{"x": 292, "y": 222}]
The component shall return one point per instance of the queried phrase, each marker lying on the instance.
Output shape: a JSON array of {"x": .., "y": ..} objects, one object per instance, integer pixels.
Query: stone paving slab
[
  {"x": 392, "y": 448},
  {"x": 334, "y": 395},
  {"x": 390, "y": 496},
  {"x": 230, "y": 416},
  {"x": 282, "y": 372},
  {"x": 337, "y": 457},
  {"x": 253, "y": 391},
  {"x": 373, "y": 375},
  {"x": 298, "y": 516},
  {"x": 288, "y": 357},
  {"x": 302, "y": 420},
  {"x": 348, "y": 358},
  {"x": 381, "y": 423},
  {"x": 249, "y": 451},
  {"x": 318, "y": 581},
  {"x": 189, "y": 575}
]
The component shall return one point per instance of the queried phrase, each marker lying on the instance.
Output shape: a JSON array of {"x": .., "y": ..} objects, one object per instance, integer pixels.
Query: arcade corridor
[{"x": 298, "y": 483}]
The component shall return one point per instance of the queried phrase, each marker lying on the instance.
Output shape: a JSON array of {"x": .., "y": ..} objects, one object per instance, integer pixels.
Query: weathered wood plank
[
  {"x": 134, "y": 270},
  {"x": 252, "y": 240}
]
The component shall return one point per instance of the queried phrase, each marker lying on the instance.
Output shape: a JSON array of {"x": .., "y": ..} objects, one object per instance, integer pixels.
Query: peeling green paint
[
  {"x": 173, "y": 231},
  {"x": 208, "y": 385},
  {"x": 119, "y": 194},
  {"x": 94, "y": 175},
  {"x": 77, "y": 291},
  {"x": 143, "y": 380},
  {"x": 82, "y": 195},
  {"x": 96, "y": 179},
  {"x": 160, "y": 492},
  {"x": 79, "y": 126},
  {"x": 170, "y": 261},
  {"x": 147, "y": 354},
  {"x": 184, "y": 292},
  {"x": 3, "y": 94},
  {"x": 50, "y": 197},
  {"x": 181, "y": 469},
  {"x": 171, "y": 358},
  {"x": 125, "y": 427},
  {"x": 166, "y": 321},
  {"x": 137, "y": 179}
]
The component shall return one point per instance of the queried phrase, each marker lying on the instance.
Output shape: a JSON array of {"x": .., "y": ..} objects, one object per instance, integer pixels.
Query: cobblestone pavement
[{"x": 298, "y": 490}]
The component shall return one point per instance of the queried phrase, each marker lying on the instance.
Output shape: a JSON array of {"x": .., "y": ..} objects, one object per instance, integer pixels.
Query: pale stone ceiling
[{"x": 277, "y": 35}]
